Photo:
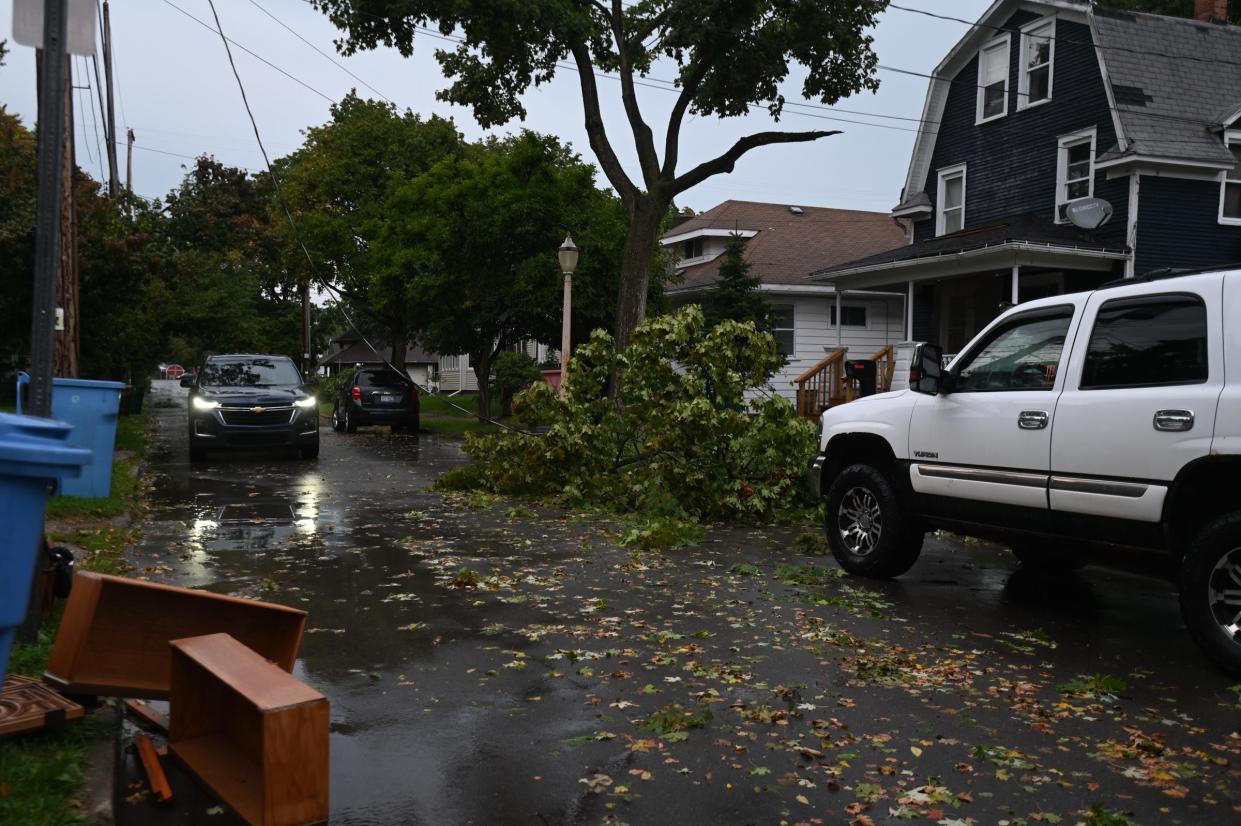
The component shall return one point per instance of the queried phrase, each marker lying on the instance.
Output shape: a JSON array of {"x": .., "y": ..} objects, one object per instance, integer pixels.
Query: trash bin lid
[
  {"x": 24, "y": 378},
  {"x": 30, "y": 446}
]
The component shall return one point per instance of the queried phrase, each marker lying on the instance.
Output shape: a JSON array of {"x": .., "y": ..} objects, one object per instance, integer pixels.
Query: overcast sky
[{"x": 175, "y": 90}]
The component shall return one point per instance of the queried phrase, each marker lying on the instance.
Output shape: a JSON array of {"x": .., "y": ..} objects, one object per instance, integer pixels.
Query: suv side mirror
[
  {"x": 926, "y": 371},
  {"x": 187, "y": 379}
]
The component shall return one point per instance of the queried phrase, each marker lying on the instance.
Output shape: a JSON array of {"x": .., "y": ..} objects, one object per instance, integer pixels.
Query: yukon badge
[{"x": 925, "y": 454}]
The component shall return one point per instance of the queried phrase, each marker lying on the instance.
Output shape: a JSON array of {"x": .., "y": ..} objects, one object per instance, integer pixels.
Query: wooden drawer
[
  {"x": 114, "y": 637},
  {"x": 254, "y": 735}
]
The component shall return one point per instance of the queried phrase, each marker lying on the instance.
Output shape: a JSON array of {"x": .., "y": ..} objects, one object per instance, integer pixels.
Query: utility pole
[
  {"x": 129, "y": 163},
  {"x": 113, "y": 177},
  {"x": 307, "y": 358},
  {"x": 51, "y": 138}
]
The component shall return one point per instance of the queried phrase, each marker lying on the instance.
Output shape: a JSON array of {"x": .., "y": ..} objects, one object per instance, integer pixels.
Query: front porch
[{"x": 956, "y": 285}]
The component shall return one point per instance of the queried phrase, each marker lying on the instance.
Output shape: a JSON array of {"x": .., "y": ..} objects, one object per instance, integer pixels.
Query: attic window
[
  {"x": 691, "y": 248},
  {"x": 993, "y": 80},
  {"x": 1037, "y": 54}
]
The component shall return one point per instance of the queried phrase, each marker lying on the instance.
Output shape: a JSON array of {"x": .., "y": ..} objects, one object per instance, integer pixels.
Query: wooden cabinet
[
  {"x": 256, "y": 736},
  {"x": 114, "y": 636}
]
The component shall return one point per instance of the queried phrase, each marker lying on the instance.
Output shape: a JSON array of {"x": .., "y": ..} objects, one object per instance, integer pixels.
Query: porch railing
[
  {"x": 885, "y": 366},
  {"x": 823, "y": 385}
]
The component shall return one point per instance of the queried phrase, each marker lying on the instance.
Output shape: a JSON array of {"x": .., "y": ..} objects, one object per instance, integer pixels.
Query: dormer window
[
  {"x": 1074, "y": 171},
  {"x": 691, "y": 248},
  {"x": 1037, "y": 54},
  {"x": 993, "y": 80},
  {"x": 950, "y": 200}
]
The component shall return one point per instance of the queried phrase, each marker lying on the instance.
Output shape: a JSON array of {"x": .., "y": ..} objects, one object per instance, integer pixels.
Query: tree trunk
[
  {"x": 399, "y": 335},
  {"x": 644, "y": 221},
  {"x": 481, "y": 362}
]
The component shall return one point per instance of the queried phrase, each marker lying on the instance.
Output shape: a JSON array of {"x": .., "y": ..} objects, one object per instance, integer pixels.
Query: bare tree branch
[
  {"x": 643, "y": 138},
  {"x": 727, "y": 161},
  {"x": 595, "y": 129},
  {"x": 672, "y": 143}
]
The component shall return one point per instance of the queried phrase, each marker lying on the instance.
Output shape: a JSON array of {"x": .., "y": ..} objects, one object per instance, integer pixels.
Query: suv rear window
[
  {"x": 381, "y": 378},
  {"x": 1149, "y": 341}
]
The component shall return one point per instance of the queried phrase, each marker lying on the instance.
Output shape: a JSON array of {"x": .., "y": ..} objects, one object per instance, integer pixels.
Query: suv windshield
[{"x": 249, "y": 373}]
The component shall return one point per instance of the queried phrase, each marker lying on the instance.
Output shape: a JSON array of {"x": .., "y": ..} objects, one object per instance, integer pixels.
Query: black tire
[
  {"x": 337, "y": 424},
  {"x": 198, "y": 454},
  {"x": 1032, "y": 558},
  {"x": 351, "y": 425},
  {"x": 1211, "y": 591},
  {"x": 892, "y": 540},
  {"x": 309, "y": 451}
]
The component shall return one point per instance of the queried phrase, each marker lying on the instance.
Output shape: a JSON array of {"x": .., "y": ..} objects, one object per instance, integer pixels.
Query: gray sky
[{"x": 175, "y": 90}]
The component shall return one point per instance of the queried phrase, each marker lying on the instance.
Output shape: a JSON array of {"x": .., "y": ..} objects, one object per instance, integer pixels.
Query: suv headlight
[
  {"x": 205, "y": 404},
  {"x": 309, "y": 401}
]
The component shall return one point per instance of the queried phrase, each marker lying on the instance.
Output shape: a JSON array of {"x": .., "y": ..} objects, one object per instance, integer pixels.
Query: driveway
[{"x": 492, "y": 663}]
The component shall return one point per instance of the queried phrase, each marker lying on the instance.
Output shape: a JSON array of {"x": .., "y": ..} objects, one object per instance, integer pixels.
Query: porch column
[
  {"x": 1016, "y": 284},
  {"x": 839, "y": 325},
  {"x": 909, "y": 313}
]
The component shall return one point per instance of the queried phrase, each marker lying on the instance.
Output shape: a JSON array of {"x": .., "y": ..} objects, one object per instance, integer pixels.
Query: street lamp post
[{"x": 568, "y": 263}]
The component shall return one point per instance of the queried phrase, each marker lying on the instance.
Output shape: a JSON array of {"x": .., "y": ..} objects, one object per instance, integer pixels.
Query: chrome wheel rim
[
  {"x": 860, "y": 521},
  {"x": 1224, "y": 593}
]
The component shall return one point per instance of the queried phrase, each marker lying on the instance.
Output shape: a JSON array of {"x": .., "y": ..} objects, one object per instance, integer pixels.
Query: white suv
[{"x": 1072, "y": 427}]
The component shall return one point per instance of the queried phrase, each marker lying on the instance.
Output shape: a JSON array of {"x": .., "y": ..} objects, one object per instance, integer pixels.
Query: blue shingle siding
[
  {"x": 1011, "y": 162},
  {"x": 1178, "y": 226}
]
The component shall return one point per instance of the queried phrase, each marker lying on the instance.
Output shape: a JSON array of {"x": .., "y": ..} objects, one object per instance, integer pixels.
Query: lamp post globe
[{"x": 567, "y": 254}]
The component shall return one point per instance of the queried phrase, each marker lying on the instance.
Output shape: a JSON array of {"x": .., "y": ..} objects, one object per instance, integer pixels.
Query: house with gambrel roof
[{"x": 1044, "y": 110}]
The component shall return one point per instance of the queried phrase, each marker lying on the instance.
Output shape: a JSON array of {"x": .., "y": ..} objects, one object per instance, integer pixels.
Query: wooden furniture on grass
[
  {"x": 254, "y": 735},
  {"x": 114, "y": 636},
  {"x": 156, "y": 779},
  {"x": 28, "y": 705}
]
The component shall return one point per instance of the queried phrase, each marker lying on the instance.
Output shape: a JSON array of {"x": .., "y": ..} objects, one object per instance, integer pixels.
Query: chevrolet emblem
[{"x": 258, "y": 409}]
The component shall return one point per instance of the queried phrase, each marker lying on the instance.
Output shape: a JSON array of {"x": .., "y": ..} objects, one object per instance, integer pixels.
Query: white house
[{"x": 784, "y": 245}]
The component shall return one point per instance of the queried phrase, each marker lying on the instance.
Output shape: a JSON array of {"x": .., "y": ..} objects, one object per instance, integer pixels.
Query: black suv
[
  {"x": 377, "y": 395},
  {"x": 249, "y": 401}
]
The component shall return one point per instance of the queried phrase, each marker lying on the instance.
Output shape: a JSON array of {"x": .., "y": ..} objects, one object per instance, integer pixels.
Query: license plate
[{"x": 387, "y": 398}]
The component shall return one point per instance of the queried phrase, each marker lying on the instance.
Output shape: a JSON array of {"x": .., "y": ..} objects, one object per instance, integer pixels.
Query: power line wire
[
  {"x": 94, "y": 120},
  {"x": 291, "y": 77},
  {"x": 333, "y": 60}
]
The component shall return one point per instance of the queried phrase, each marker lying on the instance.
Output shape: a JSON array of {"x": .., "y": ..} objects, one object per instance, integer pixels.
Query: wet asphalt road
[{"x": 565, "y": 679}]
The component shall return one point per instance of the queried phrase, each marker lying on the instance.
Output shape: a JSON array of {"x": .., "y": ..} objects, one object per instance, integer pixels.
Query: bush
[
  {"x": 680, "y": 441},
  {"x": 511, "y": 373},
  {"x": 328, "y": 386}
]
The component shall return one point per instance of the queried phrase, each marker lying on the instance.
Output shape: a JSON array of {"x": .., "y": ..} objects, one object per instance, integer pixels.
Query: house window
[
  {"x": 691, "y": 248},
  {"x": 782, "y": 329},
  {"x": 1230, "y": 197},
  {"x": 850, "y": 315},
  {"x": 1037, "y": 54},
  {"x": 950, "y": 197},
  {"x": 993, "y": 80},
  {"x": 1074, "y": 171}
]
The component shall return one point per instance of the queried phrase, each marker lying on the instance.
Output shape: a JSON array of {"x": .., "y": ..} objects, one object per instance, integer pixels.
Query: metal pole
[
  {"x": 564, "y": 331},
  {"x": 51, "y": 138},
  {"x": 113, "y": 178}
]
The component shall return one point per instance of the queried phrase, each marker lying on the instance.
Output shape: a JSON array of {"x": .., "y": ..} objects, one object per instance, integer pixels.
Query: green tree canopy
[
  {"x": 337, "y": 185},
  {"x": 736, "y": 296},
  {"x": 727, "y": 56},
  {"x": 471, "y": 245}
]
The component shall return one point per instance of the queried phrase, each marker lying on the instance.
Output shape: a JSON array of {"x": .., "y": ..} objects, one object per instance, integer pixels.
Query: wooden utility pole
[
  {"x": 110, "y": 126},
  {"x": 129, "y": 162},
  {"x": 308, "y": 362},
  {"x": 65, "y": 342}
]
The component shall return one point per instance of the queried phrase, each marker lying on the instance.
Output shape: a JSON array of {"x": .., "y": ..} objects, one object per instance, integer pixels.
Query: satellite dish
[{"x": 1088, "y": 213}]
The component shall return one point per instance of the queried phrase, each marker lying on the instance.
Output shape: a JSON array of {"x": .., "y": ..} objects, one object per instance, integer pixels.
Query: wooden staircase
[{"x": 824, "y": 385}]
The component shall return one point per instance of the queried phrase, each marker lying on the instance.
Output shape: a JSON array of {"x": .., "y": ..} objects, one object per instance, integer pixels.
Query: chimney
[{"x": 1211, "y": 11}]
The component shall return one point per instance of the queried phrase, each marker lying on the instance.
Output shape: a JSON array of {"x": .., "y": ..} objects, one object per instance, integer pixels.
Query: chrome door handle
[
  {"x": 1174, "y": 421},
  {"x": 1032, "y": 419}
]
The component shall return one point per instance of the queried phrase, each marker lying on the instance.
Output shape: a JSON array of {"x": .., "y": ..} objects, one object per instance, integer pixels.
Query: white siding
[
  {"x": 456, "y": 374},
  {"x": 815, "y": 337}
]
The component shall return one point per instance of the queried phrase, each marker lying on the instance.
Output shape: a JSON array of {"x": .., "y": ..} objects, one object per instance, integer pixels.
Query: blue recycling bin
[
  {"x": 34, "y": 453},
  {"x": 92, "y": 408}
]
